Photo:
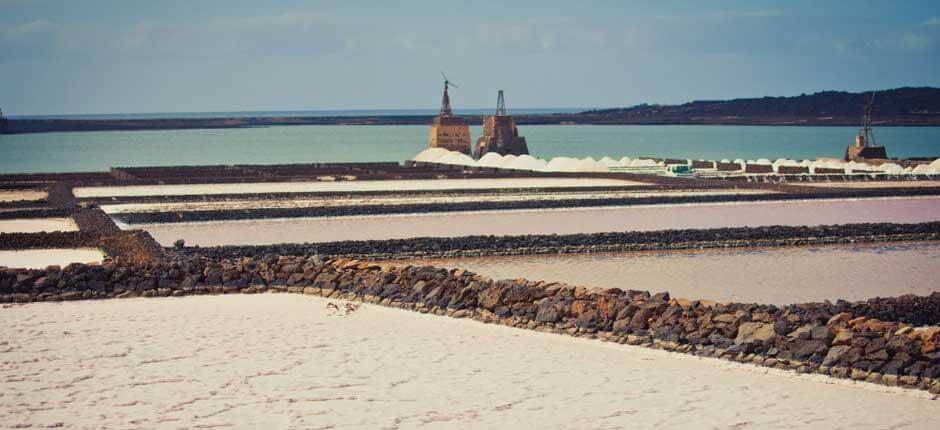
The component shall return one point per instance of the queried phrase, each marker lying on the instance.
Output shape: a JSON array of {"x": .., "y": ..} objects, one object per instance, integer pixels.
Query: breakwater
[
  {"x": 476, "y": 246},
  {"x": 873, "y": 341}
]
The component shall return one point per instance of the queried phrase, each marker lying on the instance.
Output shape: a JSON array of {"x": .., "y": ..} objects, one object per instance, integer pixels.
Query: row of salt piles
[
  {"x": 589, "y": 164},
  {"x": 528, "y": 162}
]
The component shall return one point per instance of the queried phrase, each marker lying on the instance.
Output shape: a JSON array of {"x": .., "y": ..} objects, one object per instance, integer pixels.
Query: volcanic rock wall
[{"x": 872, "y": 341}]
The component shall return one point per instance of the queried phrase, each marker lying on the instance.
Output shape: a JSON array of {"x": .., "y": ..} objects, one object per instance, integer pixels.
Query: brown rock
[{"x": 754, "y": 332}]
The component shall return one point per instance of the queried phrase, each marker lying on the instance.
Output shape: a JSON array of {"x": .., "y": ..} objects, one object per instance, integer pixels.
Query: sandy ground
[
  {"x": 284, "y": 361},
  {"x": 347, "y": 186},
  {"x": 34, "y": 225},
  {"x": 42, "y": 258},
  {"x": 382, "y": 200},
  {"x": 764, "y": 275},
  {"x": 872, "y": 184},
  {"x": 559, "y": 221},
  {"x": 12, "y": 196}
]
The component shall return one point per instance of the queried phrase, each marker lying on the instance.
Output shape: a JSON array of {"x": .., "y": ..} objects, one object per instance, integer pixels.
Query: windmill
[
  {"x": 445, "y": 102},
  {"x": 500, "y": 104},
  {"x": 866, "y": 137},
  {"x": 865, "y": 147}
]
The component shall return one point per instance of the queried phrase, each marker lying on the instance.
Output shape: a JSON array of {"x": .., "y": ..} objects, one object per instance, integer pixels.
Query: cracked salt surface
[{"x": 284, "y": 361}]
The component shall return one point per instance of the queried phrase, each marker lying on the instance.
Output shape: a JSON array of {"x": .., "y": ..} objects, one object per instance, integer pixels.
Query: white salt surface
[
  {"x": 346, "y": 186},
  {"x": 42, "y": 258},
  {"x": 35, "y": 225},
  {"x": 763, "y": 275},
  {"x": 284, "y": 361},
  {"x": 557, "y": 221},
  {"x": 397, "y": 200},
  {"x": 12, "y": 196},
  {"x": 870, "y": 184}
]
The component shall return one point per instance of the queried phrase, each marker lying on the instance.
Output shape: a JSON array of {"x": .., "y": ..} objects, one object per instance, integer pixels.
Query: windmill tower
[
  {"x": 449, "y": 131},
  {"x": 865, "y": 146},
  {"x": 500, "y": 134}
]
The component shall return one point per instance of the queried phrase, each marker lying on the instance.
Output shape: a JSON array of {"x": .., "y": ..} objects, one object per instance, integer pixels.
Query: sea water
[{"x": 97, "y": 151}]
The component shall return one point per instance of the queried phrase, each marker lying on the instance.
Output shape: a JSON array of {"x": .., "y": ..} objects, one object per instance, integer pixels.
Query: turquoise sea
[{"x": 96, "y": 151}]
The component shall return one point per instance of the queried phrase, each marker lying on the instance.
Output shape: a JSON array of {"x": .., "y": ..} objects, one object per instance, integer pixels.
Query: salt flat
[
  {"x": 871, "y": 184},
  {"x": 346, "y": 186},
  {"x": 557, "y": 221},
  {"x": 755, "y": 275},
  {"x": 42, "y": 258},
  {"x": 35, "y": 225},
  {"x": 285, "y": 361},
  {"x": 12, "y": 196},
  {"x": 398, "y": 200}
]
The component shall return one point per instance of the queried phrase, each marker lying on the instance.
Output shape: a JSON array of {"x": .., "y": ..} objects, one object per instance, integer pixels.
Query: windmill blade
[{"x": 447, "y": 81}]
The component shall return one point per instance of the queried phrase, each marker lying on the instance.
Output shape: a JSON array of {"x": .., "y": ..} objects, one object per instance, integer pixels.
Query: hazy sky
[{"x": 121, "y": 56}]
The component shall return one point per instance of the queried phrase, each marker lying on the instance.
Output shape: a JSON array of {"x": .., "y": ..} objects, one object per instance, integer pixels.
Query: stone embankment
[
  {"x": 876, "y": 341},
  {"x": 96, "y": 230},
  {"x": 477, "y": 246}
]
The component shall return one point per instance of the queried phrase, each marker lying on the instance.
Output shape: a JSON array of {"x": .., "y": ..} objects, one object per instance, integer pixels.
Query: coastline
[{"x": 23, "y": 126}]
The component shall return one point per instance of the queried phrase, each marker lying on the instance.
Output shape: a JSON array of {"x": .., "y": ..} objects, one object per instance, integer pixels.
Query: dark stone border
[{"x": 44, "y": 212}]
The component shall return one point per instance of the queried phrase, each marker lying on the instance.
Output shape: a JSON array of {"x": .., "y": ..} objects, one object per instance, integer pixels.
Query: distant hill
[{"x": 900, "y": 106}]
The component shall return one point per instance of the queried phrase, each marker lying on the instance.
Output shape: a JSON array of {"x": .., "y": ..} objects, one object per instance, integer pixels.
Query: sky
[{"x": 136, "y": 56}]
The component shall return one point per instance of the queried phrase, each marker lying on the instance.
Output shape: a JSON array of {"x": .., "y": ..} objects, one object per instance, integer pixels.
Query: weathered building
[
  {"x": 449, "y": 131},
  {"x": 500, "y": 134}
]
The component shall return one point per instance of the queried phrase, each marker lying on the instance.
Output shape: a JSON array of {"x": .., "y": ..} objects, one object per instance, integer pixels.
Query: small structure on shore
[
  {"x": 865, "y": 147},
  {"x": 3, "y": 123},
  {"x": 500, "y": 134},
  {"x": 449, "y": 131}
]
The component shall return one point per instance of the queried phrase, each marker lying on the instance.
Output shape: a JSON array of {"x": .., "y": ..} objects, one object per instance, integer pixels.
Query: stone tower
[
  {"x": 500, "y": 134},
  {"x": 449, "y": 131}
]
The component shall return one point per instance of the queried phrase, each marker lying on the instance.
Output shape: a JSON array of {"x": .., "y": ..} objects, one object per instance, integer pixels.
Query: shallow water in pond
[
  {"x": 566, "y": 221},
  {"x": 767, "y": 275}
]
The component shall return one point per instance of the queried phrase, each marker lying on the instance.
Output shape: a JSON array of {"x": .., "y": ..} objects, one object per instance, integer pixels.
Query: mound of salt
[
  {"x": 890, "y": 168},
  {"x": 431, "y": 155},
  {"x": 589, "y": 164},
  {"x": 562, "y": 164},
  {"x": 608, "y": 162},
  {"x": 456, "y": 158},
  {"x": 528, "y": 162},
  {"x": 490, "y": 159},
  {"x": 935, "y": 165},
  {"x": 506, "y": 161}
]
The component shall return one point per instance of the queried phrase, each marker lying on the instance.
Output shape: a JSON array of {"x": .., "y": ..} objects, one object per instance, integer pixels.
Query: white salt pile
[
  {"x": 491, "y": 159},
  {"x": 457, "y": 159},
  {"x": 589, "y": 164},
  {"x": 528, "y": 162},
  {"x": 506, "y": 161}
]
